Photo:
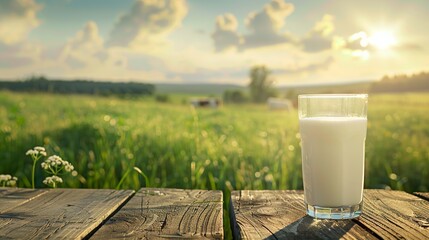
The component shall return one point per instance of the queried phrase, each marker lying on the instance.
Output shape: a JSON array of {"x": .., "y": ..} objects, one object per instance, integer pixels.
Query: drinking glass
[{"x": 333, "y": 132}]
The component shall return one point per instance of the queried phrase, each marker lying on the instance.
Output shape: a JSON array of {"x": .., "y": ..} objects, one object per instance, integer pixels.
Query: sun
[{"x": 382, "y": 40}]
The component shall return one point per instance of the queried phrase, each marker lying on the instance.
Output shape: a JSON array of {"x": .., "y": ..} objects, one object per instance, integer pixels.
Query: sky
[{"x": 202, "y": 41}]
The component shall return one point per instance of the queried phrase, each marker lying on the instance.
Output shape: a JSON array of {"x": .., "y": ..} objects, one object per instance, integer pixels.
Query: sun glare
[{"x": 382, "y": 40}]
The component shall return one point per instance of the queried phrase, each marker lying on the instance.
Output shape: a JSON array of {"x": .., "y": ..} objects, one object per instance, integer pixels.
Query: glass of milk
[{"x": 333, "y": 132}]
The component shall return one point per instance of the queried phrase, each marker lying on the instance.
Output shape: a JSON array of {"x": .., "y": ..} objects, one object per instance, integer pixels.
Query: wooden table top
[
  {"x": 386, "y": 214},
  {"x": 153, "y": 213},
  {"x": 105, "y": 214}
]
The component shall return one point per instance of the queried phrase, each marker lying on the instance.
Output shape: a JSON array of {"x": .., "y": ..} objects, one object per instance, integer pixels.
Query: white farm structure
[{"x": 279, "y": 104}]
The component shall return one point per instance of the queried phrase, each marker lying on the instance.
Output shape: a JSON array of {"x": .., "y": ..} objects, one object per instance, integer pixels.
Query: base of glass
[{"x": 343, "y": 212}]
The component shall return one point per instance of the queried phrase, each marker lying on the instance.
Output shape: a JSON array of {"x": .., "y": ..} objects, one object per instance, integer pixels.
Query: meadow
[{"x": 234, "y": 147}]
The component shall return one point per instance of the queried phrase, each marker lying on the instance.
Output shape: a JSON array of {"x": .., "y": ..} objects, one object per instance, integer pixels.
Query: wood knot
[
  {"x": 267, "y": 211},
  {"x": 421, "y": 221}
]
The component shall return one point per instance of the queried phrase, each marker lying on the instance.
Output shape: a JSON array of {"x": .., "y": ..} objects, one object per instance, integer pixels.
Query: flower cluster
[
  {"x": 52, "y": 181},
  {"x": 55, "y": 164},
  {"x": 36, "y": 151},
  {"x": 7, "y": 180}
]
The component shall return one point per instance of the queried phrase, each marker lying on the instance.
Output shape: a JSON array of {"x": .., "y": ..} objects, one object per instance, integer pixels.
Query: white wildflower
[
  {"x": 55, "y": 164},
  {"x": 36, "y": 151},
  {"x": 40, "y": 149},
  {"x": 11, "y": 183},
  {"x": 54, "y": 158},
  {"x": 7, "y": 180},
  {"x": 68, "y": 167},
  {"x": 31, "y": 152},
  {"x": 45, "y": 166},
  {"x": 52, "y": 180},
  {"x": 5, "y": 177}
]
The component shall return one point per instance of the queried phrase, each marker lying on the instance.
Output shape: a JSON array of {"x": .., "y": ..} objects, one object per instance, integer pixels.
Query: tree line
[
  {"x": 261, "y": 86},
  {"x": 403, "y": 83},
  {"x": 42, "y": 84}
]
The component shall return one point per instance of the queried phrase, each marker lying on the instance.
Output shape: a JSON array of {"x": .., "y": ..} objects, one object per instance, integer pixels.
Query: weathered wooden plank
[
  {"x": 167, "y": 213},
  {"x": 264, "y": 214},
  {"x": 424, "y": 195},
  {"x": 13, "y": 197},
  {"x": 61, "y": 213},
  {"x": 395, "y": 215}
]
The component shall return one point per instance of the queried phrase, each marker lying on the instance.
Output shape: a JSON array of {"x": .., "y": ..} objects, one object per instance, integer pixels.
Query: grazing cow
[
  {"x": 206, "y": 102},
  {"x": 280, "y": 104}
]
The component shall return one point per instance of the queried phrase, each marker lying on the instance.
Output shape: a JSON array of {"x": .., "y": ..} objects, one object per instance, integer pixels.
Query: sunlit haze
[
  {"x": 383, "y": 40},
  {"x": 193, "y": 41}
]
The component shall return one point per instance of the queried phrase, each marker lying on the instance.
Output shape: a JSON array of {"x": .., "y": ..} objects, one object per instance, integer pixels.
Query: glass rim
[{"x": 334, "y": 95}]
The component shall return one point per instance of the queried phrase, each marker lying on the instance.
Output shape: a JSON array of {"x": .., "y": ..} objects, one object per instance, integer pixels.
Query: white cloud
[
  {"x": 84, "y": 48},
  {"x": 148, "y": 22},
  {"x": 266, "y": 25},
  {"x": 17, "y": 18},
  {"x": 356, "y": 45},
  {"x": 320, "y": 38},
  {"x": 86, "y": 57},
  {"x": 265, "y": 28},
  {"x": 364, "y": 46},
  {"x": 271, "y": 19},
  {"x": 225, "y": 35}
]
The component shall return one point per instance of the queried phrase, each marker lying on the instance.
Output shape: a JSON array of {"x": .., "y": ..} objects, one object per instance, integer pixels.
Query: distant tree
[
  {"x": 261, "y": 84},
  {"x": 162, "y": 98},
  {"x": 234, "y": 96}
]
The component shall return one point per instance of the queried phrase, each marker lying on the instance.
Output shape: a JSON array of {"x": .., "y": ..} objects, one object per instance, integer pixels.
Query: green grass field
[{"x": 234, "y": 147}]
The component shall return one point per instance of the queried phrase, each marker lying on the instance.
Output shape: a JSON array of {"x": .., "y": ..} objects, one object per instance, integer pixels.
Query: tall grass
[{"x": 175, "y": 145}]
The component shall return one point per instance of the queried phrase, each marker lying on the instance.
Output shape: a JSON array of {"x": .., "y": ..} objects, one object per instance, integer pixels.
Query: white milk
[{"x": 333, "y": 151}]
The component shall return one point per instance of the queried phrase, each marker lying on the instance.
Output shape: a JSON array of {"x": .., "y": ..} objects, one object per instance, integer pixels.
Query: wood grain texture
[
  {"x": 395, "y": 215},
  {"x": 167, "y": 213},
  {"x": 267, "y": 214},
  {"x": 61, "y": 213},
  {"x": 13, "y": 197},
  {"x": 424, "y": 195}
]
